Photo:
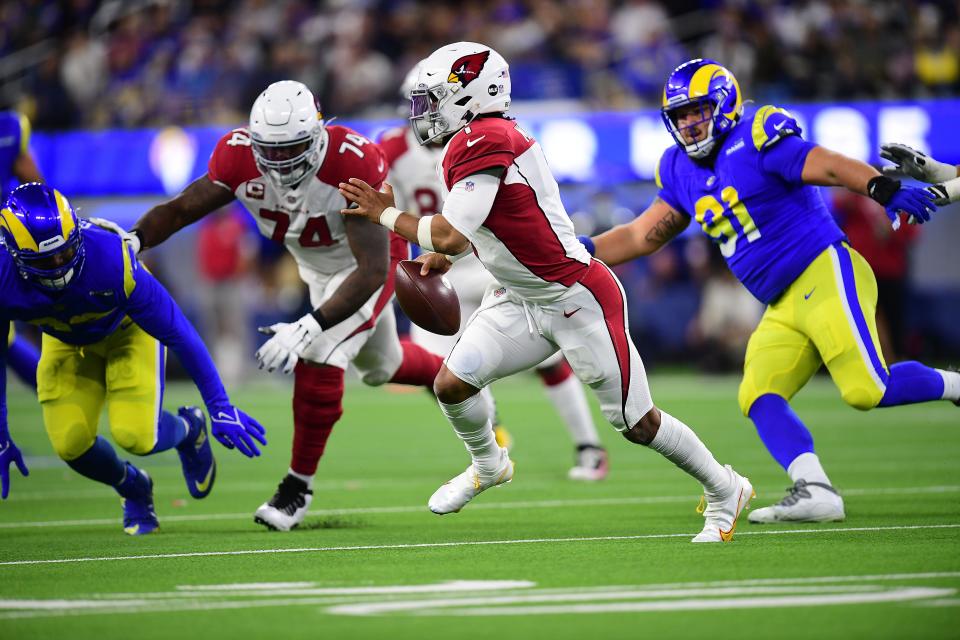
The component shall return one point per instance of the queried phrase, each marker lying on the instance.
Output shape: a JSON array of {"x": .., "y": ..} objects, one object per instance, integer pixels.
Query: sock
[
  {"x": 566, "y": 393},
  {"x": 23, "y": 358},
  {"x": 100, "y": 463},
  {"x": 317, "y": 405},
  {"x": 418, "y": 367},
  {"x": 807, "y": 467},
  {"x": 171, "y": 431},
  {"x": 951, "y": 384},
  {"x": 911, "y": 382},
  {"x": 473, "y": 422},
  {"x": 782, "y": 432},
  {"x": 302, "y": 476},
  {"x": 680, "y": 445}
]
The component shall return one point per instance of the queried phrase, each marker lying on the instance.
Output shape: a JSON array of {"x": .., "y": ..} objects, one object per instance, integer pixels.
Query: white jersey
[
  {"x": 412, "y": 172},
  {"x": 306, "y": 220},
  {"x": 526, "y": 241}
]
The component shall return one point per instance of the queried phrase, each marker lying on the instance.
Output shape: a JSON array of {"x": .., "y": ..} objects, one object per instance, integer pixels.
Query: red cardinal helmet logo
[{"x": 466, "y": 69}]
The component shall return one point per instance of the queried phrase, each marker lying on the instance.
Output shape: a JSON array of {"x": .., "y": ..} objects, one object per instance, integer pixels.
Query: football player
[
  {"x": 750, "y": 182},
  {"x": 18, "y": 166},
  {"x": 285, "y": 169},
  {"x": 502, "y": 202},
  {"x": 907, "y": 161},
  {"x": 416, "y": 188},
  {"x": 106, "y": 324}
]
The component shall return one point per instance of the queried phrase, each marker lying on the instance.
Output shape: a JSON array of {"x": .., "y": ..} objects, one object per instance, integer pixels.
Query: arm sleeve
[
  {"x": 152, "y": 308},
  {"x": 469, "y": 203},
  {"x": 786, "y": 158}
]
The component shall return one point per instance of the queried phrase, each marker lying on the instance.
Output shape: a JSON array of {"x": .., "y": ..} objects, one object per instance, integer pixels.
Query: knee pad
[
  {"x": 317, "y": 394},
  {"x": 72, "y": 442},
  {"x": 135, "y": 436},
  {"x": 862, "y": 398}
]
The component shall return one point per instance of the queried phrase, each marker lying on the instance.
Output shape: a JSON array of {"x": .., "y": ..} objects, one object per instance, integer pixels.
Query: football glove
[
  {"x": 129, "y": 237},
  {"x": 908, "y": 161},
  {"x": 288, "y": 343},
  {"x": 945, "y": 192},
  {"x": 9, "y": 453},
  {"x": 236, "y": 430}
]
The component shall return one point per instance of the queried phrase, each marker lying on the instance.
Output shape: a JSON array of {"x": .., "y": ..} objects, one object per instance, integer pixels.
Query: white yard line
[
  {"x": 522, "y": 504},
  {"x": 468, "y": 543}
]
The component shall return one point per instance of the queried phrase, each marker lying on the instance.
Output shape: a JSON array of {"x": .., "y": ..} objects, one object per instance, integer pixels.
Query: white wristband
[
  {"x": 425, "y": 233},
  {"x": 389, "y": 217},
  {"x": 460, "y": 256}
]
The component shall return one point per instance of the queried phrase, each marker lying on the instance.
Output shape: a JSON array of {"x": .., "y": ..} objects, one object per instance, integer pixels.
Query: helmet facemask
[
  {"x": 697, "y": 149},
  {"x": 288, "y": 162},
  {"x": 425, "y": 116},
  {"x": 51, "y": 268}
]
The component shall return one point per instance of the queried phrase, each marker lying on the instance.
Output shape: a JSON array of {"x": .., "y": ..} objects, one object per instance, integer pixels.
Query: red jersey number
[
  {"x": 316, "y": 233},
  {"x": 427, "y": 200}
]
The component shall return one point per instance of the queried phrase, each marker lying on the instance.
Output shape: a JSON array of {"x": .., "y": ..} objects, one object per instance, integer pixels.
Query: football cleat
[
  {"x": 460, "y": 490},
  {"x": 136, "y": 497},
  {"x": 288, "y": 506},
  {"x": 591, "y": 464},
  {"x": 196, "y": 455},
  {"x": 723, "y": 511},
  {"x": 804, "y": 502}
]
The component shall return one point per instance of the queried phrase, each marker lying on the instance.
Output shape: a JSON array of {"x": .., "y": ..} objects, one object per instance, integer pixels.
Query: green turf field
[{"x": 542, "y": 557}]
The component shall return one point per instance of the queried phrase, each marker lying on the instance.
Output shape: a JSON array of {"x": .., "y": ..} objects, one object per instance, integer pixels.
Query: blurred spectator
[{"x": 888, "y": 253}]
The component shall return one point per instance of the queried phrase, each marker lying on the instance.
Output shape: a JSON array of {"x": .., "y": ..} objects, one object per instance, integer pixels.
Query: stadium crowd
[{"x": 181, "y": 61}]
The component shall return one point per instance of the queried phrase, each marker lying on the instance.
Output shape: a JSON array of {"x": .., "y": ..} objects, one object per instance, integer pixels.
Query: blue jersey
[
  {"x": 111, "y": 288},
  {"x": 14, "y": 138},
  {"x": 752, "y": 202}
]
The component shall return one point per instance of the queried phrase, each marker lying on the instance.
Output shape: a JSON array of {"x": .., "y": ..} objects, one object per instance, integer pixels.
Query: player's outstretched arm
[
  {"x": 433, "y": 233},
  {"x": 9, "y": 453},
  {"x": 202, "y": 196},
  {"x": 152, "y": 308},
  {"x": 826, "y": 168},
  {"x": 649, "y": 231},
  {"x": 907, "y": 161},
  {"x": 370, "y": 245}
]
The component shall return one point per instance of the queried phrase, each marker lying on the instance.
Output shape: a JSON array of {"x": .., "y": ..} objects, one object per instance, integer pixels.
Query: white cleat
[
  {"x": 722, "y": 511},
  {"x": 804, "y": 502},
  {"x": 592, "y": 464},
  {"x": 288, "y": 506},
  {"x": 458, "y": 491}
]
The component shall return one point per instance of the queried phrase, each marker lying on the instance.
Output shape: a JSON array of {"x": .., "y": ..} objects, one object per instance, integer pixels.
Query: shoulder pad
[{"x": 770, "y": 124}]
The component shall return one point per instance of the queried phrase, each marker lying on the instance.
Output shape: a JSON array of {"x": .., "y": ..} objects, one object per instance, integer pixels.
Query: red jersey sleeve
[
  {"x": 231, "y": 162},
  {"x": 394, "y": 144},
  {"x": 475, "y": 149},
  {"x": 351, "y": 155}
]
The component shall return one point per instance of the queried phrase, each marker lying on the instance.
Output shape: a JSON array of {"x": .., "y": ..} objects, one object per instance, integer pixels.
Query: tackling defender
[
  {"x": 106, "y": 322},
  {"x": 749, "y": 182},
  {"x": 16, "y": 167},
  {"x": 417, "y": 189},
  {"x": 284, "y": 169},
  {"x": 504, "y": 201}
]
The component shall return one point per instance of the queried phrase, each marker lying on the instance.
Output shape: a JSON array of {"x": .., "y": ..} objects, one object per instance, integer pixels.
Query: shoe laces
[
  {"x": 799, "y": 491},
  {"x": 290, "y": 496}
]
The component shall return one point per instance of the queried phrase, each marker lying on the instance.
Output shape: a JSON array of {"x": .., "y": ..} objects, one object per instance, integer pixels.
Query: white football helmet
[
  {"x": 287, "y": 132},
  {"x": 457, "y": 83}
]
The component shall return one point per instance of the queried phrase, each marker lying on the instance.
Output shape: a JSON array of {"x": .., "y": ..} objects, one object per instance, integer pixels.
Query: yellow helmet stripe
[
  {"x": 66, "y": 217},
  {"x": 700, "y": 82},
  {"x": 19, "y": 232}
]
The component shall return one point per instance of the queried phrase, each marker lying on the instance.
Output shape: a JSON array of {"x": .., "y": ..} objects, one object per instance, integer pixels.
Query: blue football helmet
[
  {"x": 701, "y": 82},
  {"x": 41, "y": 232}
]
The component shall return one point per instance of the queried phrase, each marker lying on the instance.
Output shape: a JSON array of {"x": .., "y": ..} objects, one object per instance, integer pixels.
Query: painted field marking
[
  {"x": 467, "y": 543},
  {"x": 520, "y": 504}
]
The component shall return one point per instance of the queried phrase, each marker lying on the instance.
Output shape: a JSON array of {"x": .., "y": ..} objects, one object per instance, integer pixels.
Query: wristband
[
  {"x": 459, "y": 256},
  {"x": 425, "y": 233},
  {"x": 389, "y": 217},
  {"x": 587, "y": 242},
  {"x": 882, "y": 188}
]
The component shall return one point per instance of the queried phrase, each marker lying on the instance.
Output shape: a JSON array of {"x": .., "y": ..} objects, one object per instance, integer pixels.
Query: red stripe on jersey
[
  {"x": 394, "y": 144},
  {"x": 399, "y": 249},
  {"x": 517, "y": 221},
  {"x": 602, "y": 284}
]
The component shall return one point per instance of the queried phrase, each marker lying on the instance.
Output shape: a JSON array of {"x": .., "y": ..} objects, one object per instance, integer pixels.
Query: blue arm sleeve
[
  {"x": 152, "y": 308},
  {"x": 4, "y": 332},
  {"x": 786, "y": 158}
]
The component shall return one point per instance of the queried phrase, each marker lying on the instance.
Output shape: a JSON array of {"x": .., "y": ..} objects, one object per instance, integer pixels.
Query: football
[{"x": 429, "y": 301}]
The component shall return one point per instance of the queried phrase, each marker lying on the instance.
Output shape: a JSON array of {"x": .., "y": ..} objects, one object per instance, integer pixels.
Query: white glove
[
  {"x": 289, "y": 341},
  {"x": 945, "y": 192},
  {"x": 130, "y": 238},
  {"x": 915, "y": 164}
]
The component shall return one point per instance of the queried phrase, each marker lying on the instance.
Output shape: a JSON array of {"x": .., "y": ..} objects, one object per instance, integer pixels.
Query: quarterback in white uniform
[
  {"x": 504, "y": 204},
  {"x": 417, "y": 189},
  {"x": 285, "y": 169}
]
